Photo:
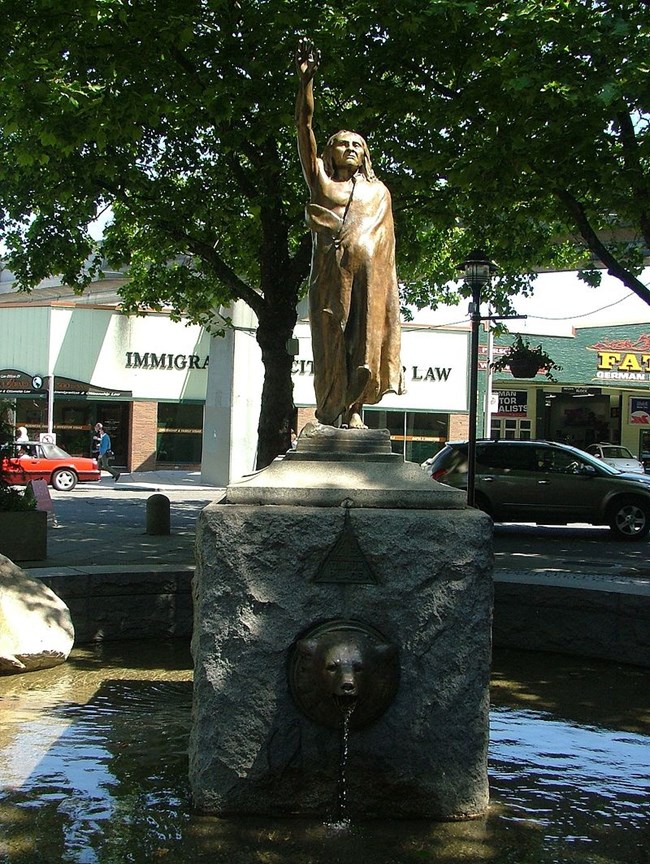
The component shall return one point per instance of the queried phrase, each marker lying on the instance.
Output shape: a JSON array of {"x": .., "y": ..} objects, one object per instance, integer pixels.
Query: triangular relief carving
[{"x": 345, "y": 562}]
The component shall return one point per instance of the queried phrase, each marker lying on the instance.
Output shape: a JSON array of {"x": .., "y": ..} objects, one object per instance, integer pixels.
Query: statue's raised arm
[{"x": 307, "y": 62}]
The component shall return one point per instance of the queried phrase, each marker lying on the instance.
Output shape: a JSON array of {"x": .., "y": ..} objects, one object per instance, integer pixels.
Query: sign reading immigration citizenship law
[
  {"x": 436, "y": 371},
  {"x": 153, "y": 360}
]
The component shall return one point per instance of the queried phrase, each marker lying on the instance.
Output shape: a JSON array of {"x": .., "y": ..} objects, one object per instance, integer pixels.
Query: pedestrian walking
[{"x": 102, "y": 441}]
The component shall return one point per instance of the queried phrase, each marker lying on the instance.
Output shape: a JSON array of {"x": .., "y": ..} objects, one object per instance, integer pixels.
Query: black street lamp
[{"x": 477, "y": 270}]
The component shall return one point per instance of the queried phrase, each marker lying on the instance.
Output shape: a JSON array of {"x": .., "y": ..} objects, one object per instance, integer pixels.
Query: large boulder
[{"x": 36, "y": 629}]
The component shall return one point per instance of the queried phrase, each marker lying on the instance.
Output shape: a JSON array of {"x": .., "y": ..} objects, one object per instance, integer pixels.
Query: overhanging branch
[
  {"x": 239, "y": 289},
  {"x": 598, "y": 248}
]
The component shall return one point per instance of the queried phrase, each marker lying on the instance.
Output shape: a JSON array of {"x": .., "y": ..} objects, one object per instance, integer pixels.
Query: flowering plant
[
  {"x": 11, "y": 499},
  {"x": 525, "y": 360}
]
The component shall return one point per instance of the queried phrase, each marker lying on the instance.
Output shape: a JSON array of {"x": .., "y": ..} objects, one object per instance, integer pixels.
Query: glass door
[{"x": 644, "y": 449}]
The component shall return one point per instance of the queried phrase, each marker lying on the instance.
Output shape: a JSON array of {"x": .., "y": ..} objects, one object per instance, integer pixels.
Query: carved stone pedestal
[{"x": 341, "y": 529}]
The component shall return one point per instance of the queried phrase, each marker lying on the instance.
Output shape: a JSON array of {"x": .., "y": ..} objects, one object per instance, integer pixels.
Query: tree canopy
[
  {"x": 520, "y": 126},
  {"x": 177, "y": 116}
]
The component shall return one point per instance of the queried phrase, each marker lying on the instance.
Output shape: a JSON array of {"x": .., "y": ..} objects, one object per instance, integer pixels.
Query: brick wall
[
  {"x": 458, "y": 427},
  {"x": 305, "y": 415},
  {"x": 144, "y": 426}
]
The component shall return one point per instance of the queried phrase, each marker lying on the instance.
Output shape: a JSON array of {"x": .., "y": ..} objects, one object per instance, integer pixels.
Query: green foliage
[
  {"x": 15, "y": 500},
  {"x": 495, "y": 125},
  {"x": 182, "y": 128},
  {"x": 11, "y": 499},
  {"x": 520, "y": 127},
  {"x": 521, "y": 351}
]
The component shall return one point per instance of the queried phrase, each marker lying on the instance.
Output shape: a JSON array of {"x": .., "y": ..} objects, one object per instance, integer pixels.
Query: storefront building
[
  {"x": 65, "y": 366},
  {"x": 173, "y": 397},
  {"x": 601, "y": 394},
  {"x": 433, "y": 408}
]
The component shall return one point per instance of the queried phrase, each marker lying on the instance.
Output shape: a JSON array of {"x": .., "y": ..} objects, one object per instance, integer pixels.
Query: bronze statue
[{"x": 353, "y": 293}]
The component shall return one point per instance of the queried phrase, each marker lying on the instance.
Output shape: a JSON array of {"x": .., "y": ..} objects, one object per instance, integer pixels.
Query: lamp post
[{"x": 476, "y": 269}]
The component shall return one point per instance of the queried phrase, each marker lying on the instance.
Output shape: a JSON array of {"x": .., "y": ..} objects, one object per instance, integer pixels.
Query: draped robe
[{"x": 353, "y": 296}]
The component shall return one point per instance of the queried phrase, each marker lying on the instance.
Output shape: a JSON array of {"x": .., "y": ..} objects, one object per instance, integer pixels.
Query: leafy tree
[
  {"x": 178, "y": 115},
  {"x": 530, "y": 119},
  {"x": 520, "y": 125}
]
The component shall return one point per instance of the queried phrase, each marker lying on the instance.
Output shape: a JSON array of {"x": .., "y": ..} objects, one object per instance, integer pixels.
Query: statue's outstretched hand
[{"x": 307, "y": 59}]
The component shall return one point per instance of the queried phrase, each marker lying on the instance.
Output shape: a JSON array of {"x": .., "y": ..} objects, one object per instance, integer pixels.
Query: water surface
[{"x": 93, "y": 770}]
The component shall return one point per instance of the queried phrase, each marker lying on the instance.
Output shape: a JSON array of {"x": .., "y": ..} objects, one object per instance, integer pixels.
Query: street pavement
[
  {"x": 100, "y": 525},
  {"x": 573, "y": 549},
  {"x": 104, "y": 524}
]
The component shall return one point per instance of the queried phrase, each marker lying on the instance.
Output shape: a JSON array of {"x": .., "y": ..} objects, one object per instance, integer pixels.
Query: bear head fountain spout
[{"x": 343, "y": 667}]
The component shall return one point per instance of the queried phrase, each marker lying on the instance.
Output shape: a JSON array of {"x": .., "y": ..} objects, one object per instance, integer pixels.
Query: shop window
[
  {"x": 579, "y": 420},
  {"x": 414, "y": 435},
  {"x": 32, "y": 413},
  {"x": 73, "y": 422},
  {"x": 180, "y": 429},
  {"x": 510, "y": 428}
]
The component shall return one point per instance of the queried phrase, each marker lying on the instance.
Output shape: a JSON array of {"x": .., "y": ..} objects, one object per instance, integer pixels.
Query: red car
[{"x": 20, "y": 463}]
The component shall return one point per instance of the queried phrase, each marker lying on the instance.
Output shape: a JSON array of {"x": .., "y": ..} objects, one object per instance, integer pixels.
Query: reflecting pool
[{"x": 93, "y": 770}]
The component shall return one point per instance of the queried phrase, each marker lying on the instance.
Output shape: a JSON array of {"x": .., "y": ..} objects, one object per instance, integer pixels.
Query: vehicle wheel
[
  {"x": 629, "y": 519},
  {"x": 64, "y": 480}
]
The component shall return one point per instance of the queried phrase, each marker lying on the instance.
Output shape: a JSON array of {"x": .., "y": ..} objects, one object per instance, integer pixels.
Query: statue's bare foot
[{"x": 355, "y": 421}]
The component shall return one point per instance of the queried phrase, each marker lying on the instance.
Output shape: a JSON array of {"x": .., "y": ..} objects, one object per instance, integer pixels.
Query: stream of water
[
  {"x": 342, "y": 817},
  {"x": 93, "y": 770}
]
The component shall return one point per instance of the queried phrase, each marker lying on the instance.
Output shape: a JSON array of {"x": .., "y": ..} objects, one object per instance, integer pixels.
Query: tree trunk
[
  {"x": 280, "y": 280},
  {"x": 277, "y": 408}
]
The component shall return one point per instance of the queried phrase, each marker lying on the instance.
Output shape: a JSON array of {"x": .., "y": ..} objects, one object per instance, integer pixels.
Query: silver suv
[{"x": 548, "y": 483}]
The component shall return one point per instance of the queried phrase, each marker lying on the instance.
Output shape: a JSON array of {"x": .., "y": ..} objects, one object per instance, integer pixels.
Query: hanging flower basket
[
  {"x": 524, "y": 367},
  {"x": 525, "y": 361}
]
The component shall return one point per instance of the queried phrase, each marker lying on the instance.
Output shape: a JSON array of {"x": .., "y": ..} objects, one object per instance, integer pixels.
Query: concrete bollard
[{"x": 158, "y": 517}]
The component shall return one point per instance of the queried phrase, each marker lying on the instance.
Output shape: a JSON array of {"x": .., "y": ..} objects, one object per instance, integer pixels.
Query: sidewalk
[
  {"x": 158, "y": 481},
  {"x": 107, "y": 531}
]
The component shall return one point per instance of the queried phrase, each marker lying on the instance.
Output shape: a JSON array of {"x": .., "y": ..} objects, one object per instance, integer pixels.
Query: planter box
[{"x": 23, "y": 536}]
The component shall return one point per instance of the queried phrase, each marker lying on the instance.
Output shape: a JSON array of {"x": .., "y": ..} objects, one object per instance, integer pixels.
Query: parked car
[
  {"x": 616, "y": 456},
  {"x": 548, "y": 483},
  {"x": 32, "y": 460}
]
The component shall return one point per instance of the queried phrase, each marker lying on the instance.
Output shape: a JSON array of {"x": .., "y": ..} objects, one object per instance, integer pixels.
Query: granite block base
[{"x": 266, "y": 575}]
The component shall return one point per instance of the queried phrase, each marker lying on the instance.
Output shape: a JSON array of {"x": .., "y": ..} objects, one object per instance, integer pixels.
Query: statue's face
[{"x": 347, "y": 151}]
